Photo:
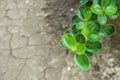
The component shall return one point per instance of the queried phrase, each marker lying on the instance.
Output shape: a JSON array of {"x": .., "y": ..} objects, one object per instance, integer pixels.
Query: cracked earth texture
[{"x": 29, "y": 44}]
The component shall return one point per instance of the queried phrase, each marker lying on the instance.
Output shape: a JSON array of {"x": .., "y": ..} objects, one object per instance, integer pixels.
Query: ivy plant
[{"x": 89, "y": 26}]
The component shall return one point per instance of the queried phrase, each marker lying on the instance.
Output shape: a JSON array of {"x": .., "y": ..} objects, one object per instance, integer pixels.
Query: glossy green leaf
[
  {"x": 104, "y": 3},
  {"x": 68, "y": 41},
  {"x": 87, "y": 13},
  {"x": 93, "y": 47},
  {"x": 111, "y": 9},
  {"x": 79, "y": 12},
  {"x": 113, "y": 1},
  {"x": 80, "y": 25},
  {"x": 96, "y": 9},
  {"x": 114, "y": 16},
  {"x": 107, "y": 30},
  {"x": 80, "y": 38},
  {"x": 80, "y": 49},
  {"x": 82, "y": 61},
  {"x": 93, "y": 26},
  {"x": 82, "y": 2},
  {"x": 75, "y": 19},
  {"x": 85, "y": 31},
  {"x": 94, "y": 36},
  {"x": 102, "y": 19},
  {"x": 96, "y": 1}
]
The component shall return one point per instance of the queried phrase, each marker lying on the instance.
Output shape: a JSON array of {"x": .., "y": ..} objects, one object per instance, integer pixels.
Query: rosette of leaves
[{"x": 89, "y": 26}]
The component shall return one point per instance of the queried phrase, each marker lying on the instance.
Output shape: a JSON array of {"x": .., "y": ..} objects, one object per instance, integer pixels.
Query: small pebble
[
  {"x": 26, "y": 1},
  {"x": 69, "y": 68},
  {"x": 71, "y": 9}
]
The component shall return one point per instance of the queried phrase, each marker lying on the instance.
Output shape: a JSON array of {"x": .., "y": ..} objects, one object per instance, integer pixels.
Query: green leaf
[
  {"x": 104, "y": 3},
  {"x": 80, "y": 38},
  {"x": 87, "y": 13},
  {"x": 114, "y": 16},
  {"x": 85, "y": 31},
  {"x": 74, "y": 30},
  {"x": 96, "y": 9},
  {"x": 111, "y": 9},
  {"x": 94, "y": 36},
  {"x": 75, "y": 20},
  {"x": 80, "y": 49},
  {"x": 68, "y": 41},
  {"x": 96, "y": 1},
  {"x": 107, "y": 30},
  {"x": 80, "y": 25},
  {"x": 88, "y": 54},
  {"x": 79, "y": 12},
  {"x": 82, "y": 61},
  {"x": 82, "y": 2},
  {"x": 93, "y": 47},
  {"x": 113, "y": 1},
  {"x": 102, "y": 19},
  {"x": 93, "y": 26}
]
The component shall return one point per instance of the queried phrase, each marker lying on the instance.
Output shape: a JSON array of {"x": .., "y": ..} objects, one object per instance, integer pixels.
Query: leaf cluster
[{"x": 89, "y": 26}]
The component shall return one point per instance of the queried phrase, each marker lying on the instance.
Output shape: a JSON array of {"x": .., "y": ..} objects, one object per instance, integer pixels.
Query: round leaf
[
  {"x": 81, "y": 61},
  {"x": 102, "y": 19},
  {"x": 93, "y": 47},
  {"x": 80, "y": 49},
  {"x": 94, "y": 36},
  {"x": 111, "y": 9},
  {"x": 80, "y": 25},
  {"x": 93, "y": 26},
  {"x": 96, "y": 9},
  {"x": 85, "y": 31},
  {"x": 87, "y": 13},
  {"x": 80, "y": 38},
  {"x": 67, "y": 41},
  {"x": 107, "y": 30},
  {"x": 104, "y": 3}
]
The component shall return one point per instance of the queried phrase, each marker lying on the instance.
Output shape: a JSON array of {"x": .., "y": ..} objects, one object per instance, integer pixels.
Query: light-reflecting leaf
[
  {"x": 87, "y": 13},
  {"x": 107, "y": 30},
  {"x": 102, "y": 19},
  {"x": 96, "y": 1},
  {"x": 80, "y": 49},
  {"x": 82, "y": 2},
  {"x": 104, "y": 3},
  {"x": 80, "y": 25},
  {"x": 80, "y": 38},
  {"x": 85, "y": 31},
  {"x": 79, "y": 12},
  {"x": 93, "y": 47},
  {"x": 113, "y": 1},
  {"x": 110, "y": 9},
  {"x": 96, "y": 9},
  {"x": 82, "y": 61},
  {"x": 93, "y": 26},
  {"x": 94, "y": 36},
  {"x": 67, "y": 41}
]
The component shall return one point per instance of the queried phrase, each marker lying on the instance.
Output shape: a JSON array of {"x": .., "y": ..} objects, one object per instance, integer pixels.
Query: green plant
[{"x": 89, "y": 25}]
